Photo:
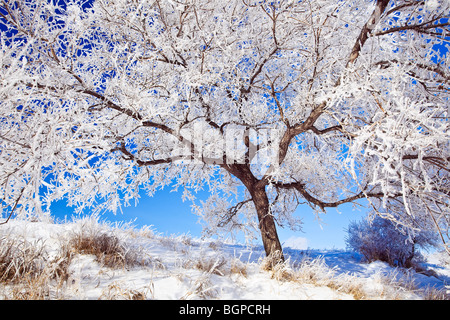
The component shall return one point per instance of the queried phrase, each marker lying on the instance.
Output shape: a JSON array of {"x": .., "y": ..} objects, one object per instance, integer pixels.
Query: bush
[
  {"x": 107, "y": 243},
  {"x": 381, "y": 240}
]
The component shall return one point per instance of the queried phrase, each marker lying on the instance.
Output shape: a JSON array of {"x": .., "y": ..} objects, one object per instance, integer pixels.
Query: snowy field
[{"x": 58, "y": 261}]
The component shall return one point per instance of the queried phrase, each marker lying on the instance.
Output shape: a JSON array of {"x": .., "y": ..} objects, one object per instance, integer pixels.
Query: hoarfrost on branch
[{"x": 315, "y": 102}]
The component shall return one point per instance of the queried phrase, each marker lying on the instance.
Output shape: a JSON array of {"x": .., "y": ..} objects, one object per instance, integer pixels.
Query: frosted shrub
[
  {"x": 381, "y": 240},
  {"x": 107, "y": 243}
]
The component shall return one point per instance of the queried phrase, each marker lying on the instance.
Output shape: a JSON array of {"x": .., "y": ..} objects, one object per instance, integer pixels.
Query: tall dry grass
[
  {"x": 28, "y": 270},
  {"x": 396, "y": 285}
]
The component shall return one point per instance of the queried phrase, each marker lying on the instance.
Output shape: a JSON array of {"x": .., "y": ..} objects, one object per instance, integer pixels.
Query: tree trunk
[
  {"x": 257, "y": 190},
  {"x": 269, "y": 234}
]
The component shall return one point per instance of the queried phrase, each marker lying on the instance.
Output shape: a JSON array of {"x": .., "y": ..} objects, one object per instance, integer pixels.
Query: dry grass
[
  {"x": 436, "y": 294},
  {"x": 281, "y": 271},
  {"x": 105, "y": 243},
  {"x": 106, "y": 248},
  {"x": 217, "y": 265},
  {"x": 27, "y": 271},
  {"x": 214, "y": 265},
  {"x": 202, "y": 287},
  {"x": 19, "y": 257},
  {"x": 119, "y": 291},
  {"x": 238, "y": 267},
  {"x": 390, "y": 286}
]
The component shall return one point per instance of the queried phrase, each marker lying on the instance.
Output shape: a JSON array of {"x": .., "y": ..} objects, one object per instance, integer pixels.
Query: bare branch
[
  {"x": 367, "y": 29},
  {"x": 421, "y": 28},
  {"x": 231, "y": 213},
  {"x": 301, "y": 188}
]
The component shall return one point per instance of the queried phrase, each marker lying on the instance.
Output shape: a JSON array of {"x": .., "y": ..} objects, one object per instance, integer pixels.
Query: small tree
[
  {"x": 380, "y": 239},
  {"x": 317, "y": 102}
]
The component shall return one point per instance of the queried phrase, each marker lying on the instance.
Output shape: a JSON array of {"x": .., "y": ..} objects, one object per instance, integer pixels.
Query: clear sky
[{"x": 168, "y": 215}]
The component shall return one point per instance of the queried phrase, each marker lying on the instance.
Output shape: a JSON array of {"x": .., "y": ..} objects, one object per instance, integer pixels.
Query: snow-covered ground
[{"x": 181, "y": 267}]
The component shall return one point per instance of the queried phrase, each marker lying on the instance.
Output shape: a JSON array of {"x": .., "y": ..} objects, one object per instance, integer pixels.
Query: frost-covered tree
[
  {"x": 268, "y": 104},
  {"x": 376, "y": 238}
]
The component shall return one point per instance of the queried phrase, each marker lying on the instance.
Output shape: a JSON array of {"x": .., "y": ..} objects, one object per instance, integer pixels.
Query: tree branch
[
  {"x": 232, "y": 212},
  {"x": 422, "y": 27},
  {"x": 326, "y": 130},
  {"x": 437, "y": 161},
  {"x": 14, "y": 208},
  {"x": 366, "y": 30},
  {"x": 110, "y": 104},
  {"x": 127, "y": 155},
  {"x": 436, "y": 68},
  {"x": 300, "y": 187}
]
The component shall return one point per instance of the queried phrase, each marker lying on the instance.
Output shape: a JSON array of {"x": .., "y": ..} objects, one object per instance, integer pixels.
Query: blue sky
[{"x": 168, "y": 215}]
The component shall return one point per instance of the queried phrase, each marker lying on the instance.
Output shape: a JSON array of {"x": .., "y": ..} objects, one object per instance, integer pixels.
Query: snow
[
  {"x": 181, "y": 267},
  {"x": 294, "y": 242}
]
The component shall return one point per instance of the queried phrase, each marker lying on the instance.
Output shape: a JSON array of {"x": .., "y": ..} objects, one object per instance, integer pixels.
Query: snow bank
[{"x": 180, "y": 267}]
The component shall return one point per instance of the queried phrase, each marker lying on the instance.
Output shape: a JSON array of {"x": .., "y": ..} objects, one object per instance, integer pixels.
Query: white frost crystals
[{"x": 297, "y": 102}]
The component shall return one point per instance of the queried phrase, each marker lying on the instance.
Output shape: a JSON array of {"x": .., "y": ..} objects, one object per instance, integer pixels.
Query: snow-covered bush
[
  {"x": 107, "y": 243},
  {"x": 380, "y": 239}
]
